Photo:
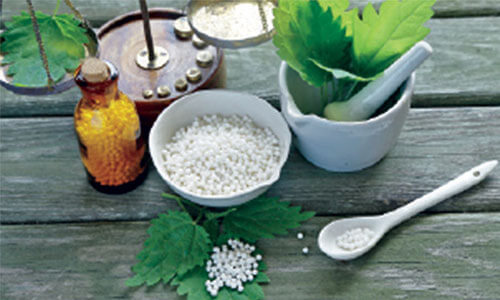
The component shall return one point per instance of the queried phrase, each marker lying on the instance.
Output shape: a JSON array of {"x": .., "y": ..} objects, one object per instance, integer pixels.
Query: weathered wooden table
[{"x": 60, "y": 239}]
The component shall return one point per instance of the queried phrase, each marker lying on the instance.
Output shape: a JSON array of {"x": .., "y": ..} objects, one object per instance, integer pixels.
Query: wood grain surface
[
  {"x": 463, "y": 70},
  {"x": 98, "y": 11},
  {"x": 43, "y": 180},
  {"x": 60, "y": 239},
  {"x": 445, "y": 256}
]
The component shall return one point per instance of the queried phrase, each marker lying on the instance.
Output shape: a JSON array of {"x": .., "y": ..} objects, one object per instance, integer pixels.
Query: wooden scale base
[{"x": 121, "y": 41}]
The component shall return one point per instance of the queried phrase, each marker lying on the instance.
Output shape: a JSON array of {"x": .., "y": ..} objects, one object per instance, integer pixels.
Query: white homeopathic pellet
[
  {"x": 354, "y": 238},
  {"x": 221, "y": 155},
  {"x": 231, "y": 267}
]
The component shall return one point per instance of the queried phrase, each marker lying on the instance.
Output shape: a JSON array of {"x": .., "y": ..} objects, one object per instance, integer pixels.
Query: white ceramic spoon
[{"x": 383, "y": 223}]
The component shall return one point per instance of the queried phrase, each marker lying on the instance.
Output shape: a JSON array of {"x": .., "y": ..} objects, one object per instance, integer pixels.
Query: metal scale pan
[
  {"x": 232, "y": 24},
  {"x": 91, "y": 49}
]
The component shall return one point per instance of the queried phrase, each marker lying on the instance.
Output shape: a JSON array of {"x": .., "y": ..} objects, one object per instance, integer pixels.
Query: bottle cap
[{"x": 94, "y": 70}]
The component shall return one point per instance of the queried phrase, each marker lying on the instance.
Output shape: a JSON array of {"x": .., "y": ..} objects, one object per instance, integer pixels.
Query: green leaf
[
  {"x": 212, "y": 228},
  {"x": 62, "y": 39},
  {"x": 175, "y": 246},
  {"x": 263, "y": 218},
  {"x": 339, "y": 8},
  {"x": 342, "y": 74},
  {"x": 262, "y": 278},
  {"x": 192, "y": 284},
  {"x": 380, "y": 39},
  {"x": 305, "y": 31},
  {"x": 252, "y": 291}
]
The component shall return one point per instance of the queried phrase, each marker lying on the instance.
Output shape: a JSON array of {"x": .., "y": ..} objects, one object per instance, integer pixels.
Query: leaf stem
[
  {"x": 200, "y": 215},
  {"x": 220, "y": 215},
  {"x": 56, "y": 10},
  {"x": 176, "y": 198},
  {"x": 181, "y": 201},
  {"x": 347, "y": 96},
  {"x": 341, "y": 89},
  {"x": 335, "y": 87},
  {"x": 324, "y": 94}
]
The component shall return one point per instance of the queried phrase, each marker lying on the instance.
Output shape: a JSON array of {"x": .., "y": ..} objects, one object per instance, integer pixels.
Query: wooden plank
[
  {"x": 43, "y": 180},
  {"x": 463, "y": 70},
  {"x": 98, "y": 12},
  {"x": 430, "y": 257},
  {"x": 452, "y": 8}
]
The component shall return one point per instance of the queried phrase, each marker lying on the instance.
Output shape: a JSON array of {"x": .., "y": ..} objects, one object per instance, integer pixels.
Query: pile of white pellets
[
  {"x": 221, "y": 155},
  {"x": 231, "y": 267},
  {"x": 354, "y": 238}
]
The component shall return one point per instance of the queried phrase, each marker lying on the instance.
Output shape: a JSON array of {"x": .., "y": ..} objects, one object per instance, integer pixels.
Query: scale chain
[
  {"x": 263, "y": 16},
  {"x": 38, "y": 37},
  {"x": 84, "y": 21}
]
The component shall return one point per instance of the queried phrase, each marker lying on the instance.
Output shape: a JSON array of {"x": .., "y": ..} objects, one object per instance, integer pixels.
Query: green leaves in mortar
[
  {"x": 380, "y": 39},
  {"x": 306, "y": 32},
  {"x": 63, "y": 41},
  {"x": 328, "y": 44},
  {"x": 178, "y": 246}
]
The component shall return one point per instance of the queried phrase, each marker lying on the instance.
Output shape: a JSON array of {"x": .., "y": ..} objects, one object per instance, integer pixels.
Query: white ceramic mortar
[{"x": 339, "y": 146}]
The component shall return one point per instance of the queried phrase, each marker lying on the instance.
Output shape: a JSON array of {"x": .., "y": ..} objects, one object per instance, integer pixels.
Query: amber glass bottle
[{"x": 107, "y": 125}]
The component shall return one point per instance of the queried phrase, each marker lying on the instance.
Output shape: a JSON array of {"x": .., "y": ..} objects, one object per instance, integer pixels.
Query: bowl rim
[
  {"x": 206, "y": 199},
  {"x": 290, "y": 108}
]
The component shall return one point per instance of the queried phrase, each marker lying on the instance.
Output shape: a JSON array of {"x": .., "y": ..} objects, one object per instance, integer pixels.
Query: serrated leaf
[
  {"x": 304, "y": 31},
  {"x": 175, "y": 246},
  {"x": 380, "y": 39},
  {"x": 263, "y": 218},
  {"x": 339, "y": 8},
  {"x": 343, "y": 74},
  {"x": 212, "y": 228},
  {"x": 63, "y": 40},
  {"x": 252, "y": 291},
  {"x": 262, "y": 265},
  {"x": 262, "y": 278},
  {"x": 192, "y": 284}
]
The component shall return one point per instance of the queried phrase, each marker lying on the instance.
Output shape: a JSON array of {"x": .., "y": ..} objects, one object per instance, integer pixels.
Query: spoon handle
[{"x": 456, "y": 186}]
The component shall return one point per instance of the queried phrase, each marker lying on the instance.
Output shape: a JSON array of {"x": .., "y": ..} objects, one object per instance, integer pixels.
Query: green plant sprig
[
  {"x": 327, "y": 44},
  {"x": 180, "y": 242}
]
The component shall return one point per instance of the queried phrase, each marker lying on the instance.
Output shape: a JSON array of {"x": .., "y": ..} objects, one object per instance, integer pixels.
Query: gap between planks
[
  {"x": 445, "y": 256},
  {"x": 40, "y": 156}
]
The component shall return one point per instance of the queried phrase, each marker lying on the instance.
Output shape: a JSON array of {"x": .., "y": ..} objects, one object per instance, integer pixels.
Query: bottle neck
[{"x": 98, "y": 94}]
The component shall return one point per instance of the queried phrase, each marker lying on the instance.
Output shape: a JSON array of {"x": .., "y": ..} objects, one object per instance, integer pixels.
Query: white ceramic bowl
[
  {"x": 339, "y": 146},
  {"x": 183, "y": 112}
]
